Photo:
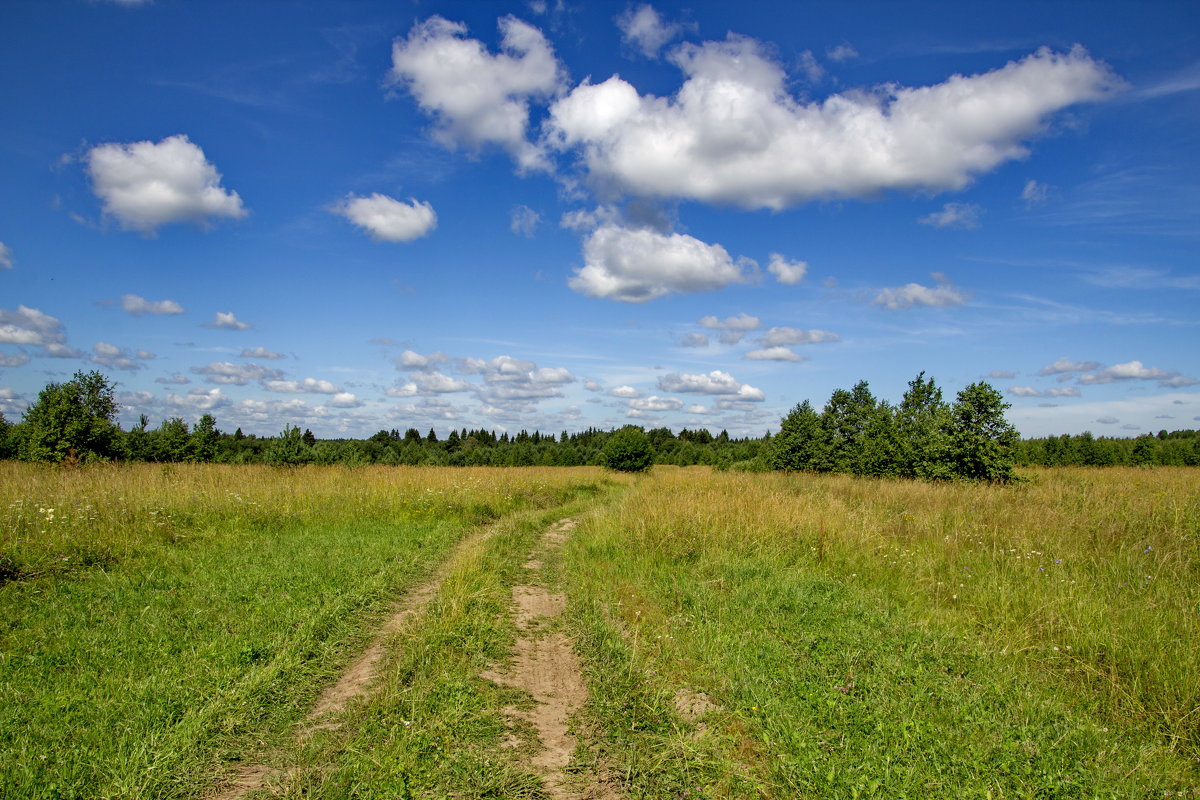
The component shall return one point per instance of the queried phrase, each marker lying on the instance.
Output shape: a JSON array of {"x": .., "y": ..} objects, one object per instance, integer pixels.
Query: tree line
[{"x": 922, "y": 437}]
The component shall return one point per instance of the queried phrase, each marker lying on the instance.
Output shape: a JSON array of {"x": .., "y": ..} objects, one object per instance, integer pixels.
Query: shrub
[{"x": 628, "y": 450}]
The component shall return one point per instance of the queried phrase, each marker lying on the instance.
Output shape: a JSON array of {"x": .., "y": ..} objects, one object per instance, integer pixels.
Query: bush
[{"x": 628, "y": 450}]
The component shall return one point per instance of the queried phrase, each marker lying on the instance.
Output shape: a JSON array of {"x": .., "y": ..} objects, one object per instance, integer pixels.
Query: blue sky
[{"x": 362, "y": 215}]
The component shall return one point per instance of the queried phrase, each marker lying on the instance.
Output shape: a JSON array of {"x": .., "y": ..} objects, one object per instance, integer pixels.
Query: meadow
[{"x": 741, "y": 634}]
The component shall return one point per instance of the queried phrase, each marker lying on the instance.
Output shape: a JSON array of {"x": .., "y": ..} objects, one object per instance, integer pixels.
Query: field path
[
  {"x": 545, "y": 665},
  {"x": 356, "y": 680}
]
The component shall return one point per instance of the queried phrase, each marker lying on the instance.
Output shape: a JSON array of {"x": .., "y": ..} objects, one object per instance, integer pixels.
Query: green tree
[
  {"x": 289, "y": 448},
  {"x": 983, "y": 442},
  {"x": 202, "y": 444},
  {"x": 800, "y": 443},
  {"x": 628, "y": 450},
  {"x": 923, "y": 431},
  {"x": 72, "y": 421},
  {"x": 170, "y": 441}
]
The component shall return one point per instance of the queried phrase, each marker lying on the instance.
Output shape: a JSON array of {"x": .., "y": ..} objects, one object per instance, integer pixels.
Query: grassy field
[
  {"x": 742, "y": 635},
  {"x": 166, "y": 621}
]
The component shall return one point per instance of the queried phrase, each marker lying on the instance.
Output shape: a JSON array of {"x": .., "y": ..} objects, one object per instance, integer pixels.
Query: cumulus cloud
[
  {"x": 732, "y": 328},
  {"x": 943, "y": 295},
  {"x": 306, "y": 386},
  {"x": 843, "y": 52},
  {"x": 137, "y": 306},
  {"x": 1029, "y": 391},
  {"x": 523, "y": 221},
  {"x": 656, "y": 403},
  {"x": 592, "y": 385},
  {"x": 775, "y": 354},
  {"x": 955, "y": 215},
  {"x": 435, "y": 382},
  {"x": 144, "y": 185},
  {"x": 1108, "y": 420},
  {"x": 15, "y": 360},
  {"x": 733, "y": 134},
  {"x": 6, "y": 259},
  {"x": 694, "y": 340},
  {"x": 1065, "y": 365},
  {"x": 783, "y": 335},
  {"x": 173, "y": 380},
  {"x": 410, "y": 359},
  {"x": 1001, "y": 374},
  {"x": 344, "y": 400},
  {"x": 715, "y": 382},
  {"x": 387, "y": 219},
  {"x": 230, "y": 374},
  {"x": 476, "y": 97},
  {"x": 624, "y": 391},
  {"x": 113, "y": 357},
  {"x": 1136, "y": 371},
  {"x": 29, "y": 326},
  {"x": 644, "y": 30},
  {"x": 637, "y": 265},
  {"x": 787, "y": 272},
  {"x": 261, "y": 352},
  {"x": 511, "y": 383},
  {"x": 225, "y": 320}
]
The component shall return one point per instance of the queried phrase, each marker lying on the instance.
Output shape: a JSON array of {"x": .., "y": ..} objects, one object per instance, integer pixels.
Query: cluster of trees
[{"x": 922, "y": 437}]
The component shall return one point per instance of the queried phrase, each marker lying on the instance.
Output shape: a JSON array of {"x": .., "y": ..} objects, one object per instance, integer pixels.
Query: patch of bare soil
[
  {"x": 354, "y": 682},
  {"x": 545, "y": 666}
]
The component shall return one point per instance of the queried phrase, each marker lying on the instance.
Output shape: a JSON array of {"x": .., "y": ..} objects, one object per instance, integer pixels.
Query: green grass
[
  {"x": 823, "y": 615},
  {"x": 224, "y": 600}
]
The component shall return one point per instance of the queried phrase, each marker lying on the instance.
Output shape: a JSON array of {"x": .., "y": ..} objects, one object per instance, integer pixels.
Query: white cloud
[
  {"x": 476, "y": 97},
  {"x": 174, "y": 380},
  {"x": 198, "y": 400},
  {"x": 344, "y": 400},
  {"x": 137, "y": 306},
  {"x": 1108, "y": 420},
  {"x": 227, "y": 373},
  {"x": 1136, "y": 371},
  {"x": 261, "y": 352},
  {"x": 144, "y": 185},
  {"x": 625, "y": 391},
  {"x": 1029, "y": 391},
  {"x": 436, "y": 383},
  {"x": 742, "y": 322},
  {"x": 30, "y": 326},
  {"x": 523, "y": 221},
  {"x": 643, "y": 29},
  {"x": 1001, "y": 374},
  {"x": 17, "y": 360},
  {"x": 810, "y": 67},
  {"x": 775, "y": 354},
  {"x": 592, "y": 385},
  {"x": 694, "y": 340},
  {"x": 943, "y": 295},
  {"x": 715, "y": 382},
  {"x": 306, "y": 386},
  {"x": 955, "y": 215},
  {"x": 656, "y": 403},
  {"x": 113, "y": 357},
  {"x": 843, "y": 52},
  {"x": 789, "y": 336},
  {"x": 637, "y": 265},
  {"x": 387, "y": 219},
  {"x": 6, "y": 259},
  {"x": 1034, "y": 193},
  {"x": 733, "y": 134},
  {"x": 787, "y": 272},
  {"x": 1066, "y": 365},
  {"x": 225, "y": 320}
]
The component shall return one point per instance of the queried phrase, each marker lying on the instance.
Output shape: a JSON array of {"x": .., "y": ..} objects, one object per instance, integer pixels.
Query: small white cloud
[
  {"x": 643, "y": 29},
  {"x": 29, "y": 326},
  {"x": 624, "y": 391},
  {"x": 1034, "y": 193},
  {"x": 638, "y": 265},
  {"x": 843, "y": 52},
  {"x": 523, "y": 221},
  {"x": 955, "y": 215},
  {"x": 742, "y": 322},
  {"x": 113, "y": 357},
  {"x": 1029, "y": 391},
  {"x": 261, "y": 352},
  {"x": 14, "y": 360},
  {"x": 144, "y": 355},
  {"x": 1065, "y": 365},
  {"x": 656, "y": 403},
  {"x": 144, "y": 185},
  {"x": 137, "y": 306},
  {"x": 387, "y": 219},
  {"x": 810, "y": 67},
  {"x": 1136, "y": 371},
  {"x": 775, "y": 354},
  {"x": 230, "y": 374},
  {"x": 592, "y": 386},
  {"x": 1001, "y": 374},
  {"x": 306, "y": 386},
  {"x": 943, "y": 295},
  {"x": 789, "y": 336},
  {"x": 173, "y": 380},
  {"x": 476, "y": 97},
  {"x": 715, "y": 382},
  {"x": 694, "y": 340},
  {"x": 344, "y": 400},
  {"x": 225, "y": 320},
  {"x": 6, "y": 259},
  {"x": 1108, "y": 420},
  {"x": 787, "y": 272}
]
